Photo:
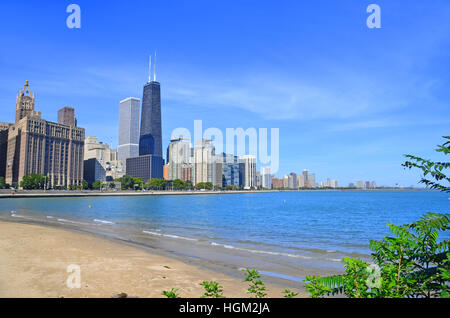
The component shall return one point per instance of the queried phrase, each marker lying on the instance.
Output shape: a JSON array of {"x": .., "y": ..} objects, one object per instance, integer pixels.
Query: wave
[
  {"x": 70, "y": 221},
  {"x": 103, "y": 221},
  {"x": 170, "y": 236}
]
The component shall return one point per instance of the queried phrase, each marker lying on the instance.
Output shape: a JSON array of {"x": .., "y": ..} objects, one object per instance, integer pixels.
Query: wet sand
[{"x": 34, "y": 260}]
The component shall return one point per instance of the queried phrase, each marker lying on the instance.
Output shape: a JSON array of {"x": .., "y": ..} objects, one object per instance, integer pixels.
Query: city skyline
[{"x": 355, "y": 122}]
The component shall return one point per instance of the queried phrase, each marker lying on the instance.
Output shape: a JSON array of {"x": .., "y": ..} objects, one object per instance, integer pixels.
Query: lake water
[{"x": 285, "y": 234}]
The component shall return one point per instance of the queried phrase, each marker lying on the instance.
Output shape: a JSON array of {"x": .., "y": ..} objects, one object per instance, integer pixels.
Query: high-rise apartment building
[
  {"x": 178, "y": 156},
  {"x": 128, "y": 146},
  {"x": 66, "y": 116},
  {"x": 301, "y": 181},
  {"x": 230, "y": 170},
  {"x": 277, "y": 183},
  {"x": 312, "y": 180},
  {"x": 292, "y": 181},
  {"x": 204, "y": 157},
  {"x": 266, "y": 177},
  {"x": 249, "y": 162},
  {"x": 37, "y": 146}
]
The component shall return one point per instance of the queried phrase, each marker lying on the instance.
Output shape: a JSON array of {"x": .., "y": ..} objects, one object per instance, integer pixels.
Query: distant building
[
  {"x": 277, "y": 183},
  {"x": 93, "y": 171},
  {"x": 146, "y": 167},
  {"x": 105, "y": 155},
  {"x": 266, "y": 177},
  {"x": 301, "y": 181},
  {"x": 188, "y": 174},
  {"x": 178, "y": 156},
  {"x": 286, "y": 181},
  {"x": 333, "y": 183},
  {"x": 367, "y": 185},
  {"x": 37, "y": 146},
  {"x": 166, "y": 172},
  {"x": 230, "y": 171},
  {"x": 312, "y": 180},
  {"x": 360, "y": 184},
  {"x": 4, "y": 130},
  {"x": 249, "y": 162},
  {"x": 66, "y": 116},
  {"x": 128, "y": 146},
  {"x": 292, "y": 181},
  {"x": 204, "y": 162}
]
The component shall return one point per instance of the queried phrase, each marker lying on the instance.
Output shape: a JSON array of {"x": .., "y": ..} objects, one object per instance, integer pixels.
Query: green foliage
[
  {"x": 188, "y": 184},
  {"x": 2, "y": 182},
  {"x": 204, "y": 185},
  {"x": 433, "y": 169},
  {"x": 289, "y": 294},
  {"x": 411, "y": 264},
  {"x": 137, "y": 183},
  {"x": 171, "y": 293},
  {"x": 34, "y": 181},
  {"x": 84, "y": 185},
  {"x": 257, "y": 287},
  {"x": 179, "y": 184},
  {"x": 212, "y": 290},
  {"x": 126, "y": 181},
  {"x": 96, "y": 185},
  {"x": 156, "y": 184}
]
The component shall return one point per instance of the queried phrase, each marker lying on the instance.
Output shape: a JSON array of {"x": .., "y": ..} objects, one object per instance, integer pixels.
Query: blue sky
[{"x": 349, "y": 101}]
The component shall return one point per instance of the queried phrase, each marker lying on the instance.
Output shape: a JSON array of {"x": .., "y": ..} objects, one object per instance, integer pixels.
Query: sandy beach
[{"x": 34, "y": 260}]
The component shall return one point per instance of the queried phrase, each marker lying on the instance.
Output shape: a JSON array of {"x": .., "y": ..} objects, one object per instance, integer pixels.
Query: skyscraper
[
  {"x": 266, "y": 177},
  {"x": 149, "y": 164},
  {"x": 128, "y": 129},
  {"x": 204, "y": 156},
  {"x": 66, "y": 116},
  {"x": 150, "y": 140},
  {"x": 249, "y": 171},
  {"x": 293, "y": 181},
  {"x": 178, "y": 156},
  {"x": 37, "y": 146}
]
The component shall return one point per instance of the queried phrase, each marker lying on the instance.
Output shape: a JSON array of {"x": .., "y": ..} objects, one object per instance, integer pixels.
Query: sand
[{"x": 34, "y": 261}]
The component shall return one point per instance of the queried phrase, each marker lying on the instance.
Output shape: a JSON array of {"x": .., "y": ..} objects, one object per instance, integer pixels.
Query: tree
[
  {"x": 84, "y": 185},
  {"x": 156, "y": 183},
  {"x": 96, "y": 185},
  {"x": 204, "y": 185},
  {"x": 413, "y": 263},
  {"x": 127, "y": 182},
  {"x": 178, "y": 184},
  {"x": 188, "y": 184},
  {"x": 434, "y": 169},
  {"x": 2, "y": 182},
  {"x": 33, "y": 181}
]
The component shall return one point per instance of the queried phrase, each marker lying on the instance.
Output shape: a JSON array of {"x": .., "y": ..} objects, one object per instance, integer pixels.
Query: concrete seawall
[{"x": 51, "y": 194}]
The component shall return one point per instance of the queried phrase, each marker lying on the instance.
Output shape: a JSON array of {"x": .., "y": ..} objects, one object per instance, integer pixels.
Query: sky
[{"x": 349, "y": 101}]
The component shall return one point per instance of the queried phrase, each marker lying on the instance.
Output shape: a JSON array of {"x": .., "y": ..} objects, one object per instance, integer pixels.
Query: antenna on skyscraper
[
  {"x": 154, "y": 69},
  {"x": 150, "y": 69}
]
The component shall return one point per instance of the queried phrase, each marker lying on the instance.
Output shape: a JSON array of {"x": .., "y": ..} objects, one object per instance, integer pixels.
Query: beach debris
[
  {"x": 120, "y": 295},
  {"x": 166, "y": 266}
]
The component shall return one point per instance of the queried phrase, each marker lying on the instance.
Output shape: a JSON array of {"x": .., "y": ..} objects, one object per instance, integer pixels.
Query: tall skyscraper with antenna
[
  {"x": 149, "y": 164},
  {"x": 150, "y": 141}
]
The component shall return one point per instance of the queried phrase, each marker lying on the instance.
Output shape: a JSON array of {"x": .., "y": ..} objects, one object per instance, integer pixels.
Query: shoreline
[
  {"x": 7, "y": 194},
  {"x": 37, "y": 257}
]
